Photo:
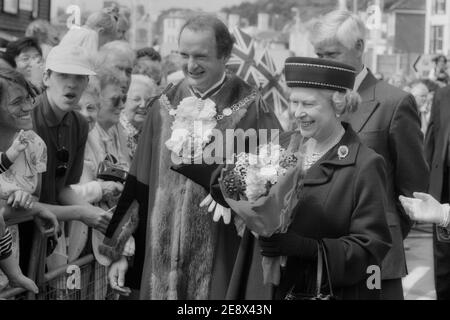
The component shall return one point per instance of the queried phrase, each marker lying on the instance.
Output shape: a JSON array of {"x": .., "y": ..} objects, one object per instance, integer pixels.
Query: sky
[
  {"x": 155, "y": 6},
  {"x": 206, "y": 5}
]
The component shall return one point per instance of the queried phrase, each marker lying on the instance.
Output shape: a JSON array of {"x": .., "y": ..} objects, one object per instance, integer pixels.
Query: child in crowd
[{"x": 19, "y": 166}]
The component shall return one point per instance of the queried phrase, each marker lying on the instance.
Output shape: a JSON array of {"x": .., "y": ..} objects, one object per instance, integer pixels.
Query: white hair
[
  {"x": 339, "y": 25},
  {"x": 116, "y": 48},
  {"x": 144, "y": 80}
]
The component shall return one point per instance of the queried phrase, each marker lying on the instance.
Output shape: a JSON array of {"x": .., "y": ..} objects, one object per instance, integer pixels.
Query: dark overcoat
[
  {"x": 343, "y": 204},
  {"x": 437, "y": 140},
  {"x": 387, "y": 121}
]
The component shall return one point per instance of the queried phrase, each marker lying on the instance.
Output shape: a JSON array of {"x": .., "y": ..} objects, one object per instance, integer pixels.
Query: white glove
[
  {"x": 424, "y": 208},
  {"x": 219, "y": 211}
]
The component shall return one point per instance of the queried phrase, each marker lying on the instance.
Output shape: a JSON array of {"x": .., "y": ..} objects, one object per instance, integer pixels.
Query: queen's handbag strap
[
  {"x": 321, "y": 259},
  {"x": 319, "y": 269}
]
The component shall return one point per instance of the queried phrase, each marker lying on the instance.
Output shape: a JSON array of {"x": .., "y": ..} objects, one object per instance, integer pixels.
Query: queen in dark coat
[{"x": 341, "y": 204}]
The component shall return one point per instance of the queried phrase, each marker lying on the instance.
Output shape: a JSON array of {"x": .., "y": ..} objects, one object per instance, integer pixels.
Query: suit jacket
[
  {"x": 437, "y": 140},
  {"x": 388, "y": 122},
  {"x": 342, "y": 203}
]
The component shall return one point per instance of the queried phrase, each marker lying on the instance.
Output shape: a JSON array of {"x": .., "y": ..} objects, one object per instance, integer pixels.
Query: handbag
[{"x": 318, "y": 295}]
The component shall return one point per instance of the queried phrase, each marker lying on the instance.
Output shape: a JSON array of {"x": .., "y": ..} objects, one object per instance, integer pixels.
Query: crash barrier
[{"x": 83, "y": 279}]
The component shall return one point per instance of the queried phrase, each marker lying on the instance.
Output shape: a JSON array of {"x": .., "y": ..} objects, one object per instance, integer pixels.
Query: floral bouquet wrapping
[{"x": 262, "y": 189}]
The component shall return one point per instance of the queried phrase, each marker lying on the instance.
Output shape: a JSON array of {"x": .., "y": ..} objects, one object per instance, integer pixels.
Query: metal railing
[{"x": 83, "y": 279}]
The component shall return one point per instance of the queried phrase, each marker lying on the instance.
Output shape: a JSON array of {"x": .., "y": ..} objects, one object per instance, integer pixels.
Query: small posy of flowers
[
  {"x": 192, "y": 128},
  {"x": 254, "y": 174}
]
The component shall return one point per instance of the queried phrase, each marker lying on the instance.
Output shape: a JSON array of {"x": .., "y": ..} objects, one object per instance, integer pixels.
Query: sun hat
[
  {"x": 319, "y": 73},
  {"x": 69, "y": 59}
]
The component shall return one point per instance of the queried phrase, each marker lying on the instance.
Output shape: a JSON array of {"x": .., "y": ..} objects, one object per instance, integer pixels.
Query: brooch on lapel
[{"x": 342, "y": 152}]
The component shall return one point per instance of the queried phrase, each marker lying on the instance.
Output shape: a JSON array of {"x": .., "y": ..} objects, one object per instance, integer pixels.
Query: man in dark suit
[
  {"x": 437, "y": 153},
  {"x": 388, "y": 122}
]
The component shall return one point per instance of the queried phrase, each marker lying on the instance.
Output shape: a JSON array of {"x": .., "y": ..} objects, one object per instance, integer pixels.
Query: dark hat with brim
[{"x": 319, "y": 73}]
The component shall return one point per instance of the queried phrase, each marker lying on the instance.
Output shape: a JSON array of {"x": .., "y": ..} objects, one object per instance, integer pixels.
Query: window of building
[
  {"x": 11, "y": 6},
  {"x": 437, "y": 39},
  {"x": 439, "y": 6}
]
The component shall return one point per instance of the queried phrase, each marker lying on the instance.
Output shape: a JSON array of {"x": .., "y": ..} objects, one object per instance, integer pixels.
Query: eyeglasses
[
  {"x": 62, "y": 155},
  {"x": 22, "y": 101},
  {"x": 28, "y": 59}
]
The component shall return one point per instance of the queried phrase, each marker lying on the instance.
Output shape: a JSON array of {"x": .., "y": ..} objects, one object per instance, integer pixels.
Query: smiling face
[
  {"x": 313, "y": 113},
  {"x": 135, "y": 107},
  {"x": 111, "y": 104},
  {"x": 64, "y": 90},
  {"x": 201, "y": 66},
  {"x": 16, "y": 108},
  {"x": 88, "y": 107},
  {"x": 26, "y": 60}
]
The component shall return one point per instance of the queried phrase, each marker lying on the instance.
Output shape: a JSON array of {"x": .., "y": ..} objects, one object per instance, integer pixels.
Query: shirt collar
[
  {"x": 49, "y": 114},
  {"x": 211, "y": 89},
  {"x": 360, "y": 78}
]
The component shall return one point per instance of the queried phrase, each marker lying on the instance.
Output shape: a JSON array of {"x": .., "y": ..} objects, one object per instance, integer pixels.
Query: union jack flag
[
  {"x": 258, "y": 72},
  {"x": 274, "y": 85}
]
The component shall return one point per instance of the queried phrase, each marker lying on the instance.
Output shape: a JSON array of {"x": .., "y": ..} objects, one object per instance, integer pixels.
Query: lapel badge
[
  {"x": 342, "y": 152},
  {"x": 227, "y": 112}
]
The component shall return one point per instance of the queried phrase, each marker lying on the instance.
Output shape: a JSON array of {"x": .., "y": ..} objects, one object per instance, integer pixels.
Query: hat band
[
  {"x": 318, "y": 84},
  {"x": 319, "y": 76},
  {"x": 319, "y": 66}
]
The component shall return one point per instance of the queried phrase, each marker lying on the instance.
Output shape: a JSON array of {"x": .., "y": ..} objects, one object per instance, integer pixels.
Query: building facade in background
[
  {"x": 15, "y": 15},
  {"x": 437, "y": 32}
]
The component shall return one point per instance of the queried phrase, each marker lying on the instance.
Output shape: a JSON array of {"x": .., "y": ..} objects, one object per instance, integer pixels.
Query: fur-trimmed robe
[{"x": 180, "y": 252}]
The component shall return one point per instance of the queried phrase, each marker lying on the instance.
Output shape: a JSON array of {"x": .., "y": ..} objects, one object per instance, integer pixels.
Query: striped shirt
[{"x": 5, "y": 245}]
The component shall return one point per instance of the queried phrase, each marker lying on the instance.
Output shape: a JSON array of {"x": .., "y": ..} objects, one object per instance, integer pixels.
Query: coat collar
[
  {"x": 49, "y": 115},
  {"x": 369, "y": 102},
  {"x": 322, "y": 171}
]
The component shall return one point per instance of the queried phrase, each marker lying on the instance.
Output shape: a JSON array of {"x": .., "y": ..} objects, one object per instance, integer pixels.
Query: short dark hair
[
  {"x": 224, "y": 40},
  {"x": 14, "y": 48},
  {"x": 10, "y": 75},
  {"x": 149, "y": 52}
]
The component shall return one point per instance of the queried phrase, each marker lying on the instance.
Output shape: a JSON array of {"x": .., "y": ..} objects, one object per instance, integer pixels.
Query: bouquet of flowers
[{"x": 262, "y": 189}]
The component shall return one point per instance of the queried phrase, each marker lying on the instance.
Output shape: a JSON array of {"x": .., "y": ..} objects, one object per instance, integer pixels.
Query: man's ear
[
  {"x": 46, "y": 78},
  {"x": 360, "y": 46}
]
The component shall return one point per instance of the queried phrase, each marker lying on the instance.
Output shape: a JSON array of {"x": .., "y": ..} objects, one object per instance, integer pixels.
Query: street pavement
[{"x": 419, "y": 283}]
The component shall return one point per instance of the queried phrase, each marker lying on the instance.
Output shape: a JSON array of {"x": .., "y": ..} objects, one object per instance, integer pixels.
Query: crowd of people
[{"x": 90, "y": 128}]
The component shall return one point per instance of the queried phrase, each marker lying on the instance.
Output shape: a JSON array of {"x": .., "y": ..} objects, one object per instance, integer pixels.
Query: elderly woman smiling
[
  {"x": 142, "y": 89},
  {"x": 340, "y": 207}
]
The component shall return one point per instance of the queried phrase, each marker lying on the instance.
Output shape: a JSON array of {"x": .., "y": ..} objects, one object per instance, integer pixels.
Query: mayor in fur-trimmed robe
[{"x": 180, "y": 252}]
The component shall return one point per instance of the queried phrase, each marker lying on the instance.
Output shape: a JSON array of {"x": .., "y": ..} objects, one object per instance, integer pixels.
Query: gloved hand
[
  {"x": 288, "y": 244},
  {"x": 423, "y": 208},
  {"x": 219, "y": 211}
]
